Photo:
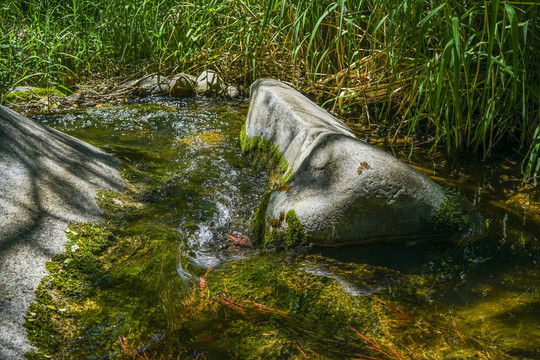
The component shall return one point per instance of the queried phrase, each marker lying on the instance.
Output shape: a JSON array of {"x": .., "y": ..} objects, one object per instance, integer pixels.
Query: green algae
[
  {"x": 456, "y": 217},
  {"x": 281, "y": 306},
  {"x": 447, "y": 319},
  {"x": 202, "y": 139}
]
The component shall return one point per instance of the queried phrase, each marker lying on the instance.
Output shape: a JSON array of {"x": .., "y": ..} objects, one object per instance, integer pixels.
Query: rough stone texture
[
  {"x": 44, "y": 185},
  {"x": 342, "y": 189},
  {"x": 183, "y": 85},
  {"x": 232, "y": 92},
  {"x": 209, "y": 83},
  {"x": 21, "y": 88},
  {"x": 153, "y": 85}
]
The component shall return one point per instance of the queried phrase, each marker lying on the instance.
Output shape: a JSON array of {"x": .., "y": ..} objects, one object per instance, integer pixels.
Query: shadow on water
[{"x": 183, "y": 261}]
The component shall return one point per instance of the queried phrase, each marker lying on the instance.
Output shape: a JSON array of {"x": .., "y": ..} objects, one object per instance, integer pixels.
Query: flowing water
[{"x": 181, "y": 279}]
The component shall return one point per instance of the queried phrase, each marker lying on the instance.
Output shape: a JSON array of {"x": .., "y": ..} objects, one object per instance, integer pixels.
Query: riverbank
[
  {"x": 462, "y": 74},
  {"x": 121, "y": 91}
]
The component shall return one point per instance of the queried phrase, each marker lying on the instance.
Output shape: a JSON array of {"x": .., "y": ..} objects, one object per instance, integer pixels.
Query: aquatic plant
[{"x": 390, "y": 353}]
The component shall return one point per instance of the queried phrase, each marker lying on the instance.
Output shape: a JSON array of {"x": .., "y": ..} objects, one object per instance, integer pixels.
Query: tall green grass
[{"x": 464, "y": 74}]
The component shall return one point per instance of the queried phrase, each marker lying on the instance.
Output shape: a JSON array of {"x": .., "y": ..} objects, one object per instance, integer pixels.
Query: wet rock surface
[
  {"x": 153, "y": 85},
  {"x": 341, "y": 189},
  {"x": 182, "y": 85},
  {"x": 47, "y": 180}
]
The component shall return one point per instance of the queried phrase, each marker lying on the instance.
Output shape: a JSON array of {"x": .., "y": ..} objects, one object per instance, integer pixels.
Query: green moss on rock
[
  {"x": 258, "y": 221},
  {"x": 268, "y": 231},
  {"x": 456, "y": 216},
  {"x": 70, "y": 274},
  {"x": 31, "y": 94},
  {"x": 272, "y": 235},
  {"x": 296, "y": 235},
  {"x": 266, "y": 154},
  {"x": 40, "y": 325}
]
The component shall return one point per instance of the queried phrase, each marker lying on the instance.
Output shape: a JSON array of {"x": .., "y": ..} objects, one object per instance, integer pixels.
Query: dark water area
[{"x": 182, "y": 281}]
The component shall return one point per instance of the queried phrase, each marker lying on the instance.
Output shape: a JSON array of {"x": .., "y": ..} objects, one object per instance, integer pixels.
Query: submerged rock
[
  {"x": 336, "y": 188},
  {"x": 47, "y": 180},
  {"x": 201, "y": 140}
]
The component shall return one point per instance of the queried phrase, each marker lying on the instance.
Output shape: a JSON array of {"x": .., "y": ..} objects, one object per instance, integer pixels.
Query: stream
[{"x": 182, "y": 280}]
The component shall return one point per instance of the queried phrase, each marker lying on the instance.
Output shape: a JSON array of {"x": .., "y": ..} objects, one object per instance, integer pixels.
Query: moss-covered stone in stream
[
  {"x": 263, "y": 230},
  {"x": 70, "y": 277},
  {"x": 267, "y": 155},
  {"x": 111, "y": 300},
  {"x": 456, "y": 216},
  {"x": 108, "y": 283}
]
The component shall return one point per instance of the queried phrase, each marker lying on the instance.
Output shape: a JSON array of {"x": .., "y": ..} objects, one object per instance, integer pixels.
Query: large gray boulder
[
  {"x": 47, "y": 180},
  {"x": 337, "y": 189}
]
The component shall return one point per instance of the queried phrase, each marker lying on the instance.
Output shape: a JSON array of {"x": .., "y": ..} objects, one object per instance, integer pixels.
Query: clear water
[{"x": 180, "y": 282}]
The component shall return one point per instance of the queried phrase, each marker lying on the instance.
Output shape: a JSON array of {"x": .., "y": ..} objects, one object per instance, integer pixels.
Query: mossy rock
[
  {"x": 26, "y": 93},
  {"x": 456, "y": 217},
  {"x": 266, "y": 155},
  {"x": 263, "y": 230},
  {"x": 343, "y": 190}
]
